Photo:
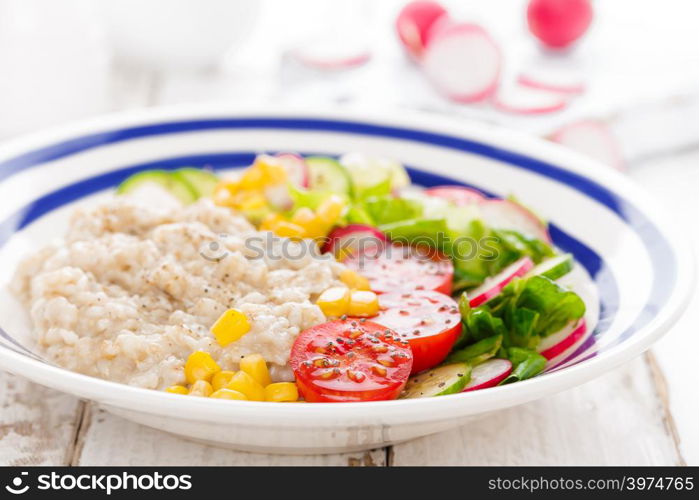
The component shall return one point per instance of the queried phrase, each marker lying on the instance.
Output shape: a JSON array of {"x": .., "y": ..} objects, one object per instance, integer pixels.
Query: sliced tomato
[
  {"x": 429, "y": 321},
  {"x": 350, "y": 360},
  {"x": 458, "y": 195},
  {"x": 399, "y": 268}
]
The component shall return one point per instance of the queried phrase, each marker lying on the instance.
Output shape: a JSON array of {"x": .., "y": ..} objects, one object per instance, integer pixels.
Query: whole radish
[
  {"x": 559, "y": 23},
  {"x": 413, "y": 23}
]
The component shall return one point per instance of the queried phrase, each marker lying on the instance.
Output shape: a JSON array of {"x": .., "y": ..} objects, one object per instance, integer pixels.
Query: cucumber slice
[
  {"x": 554, "y": 268},
  {"x": 203, "y": 181},
  {"x": 175, "y": 185},
  {"x": 327, "y": 174},
  {"x": 446, "y": 379},
  {"x": 369, "y": 178}
]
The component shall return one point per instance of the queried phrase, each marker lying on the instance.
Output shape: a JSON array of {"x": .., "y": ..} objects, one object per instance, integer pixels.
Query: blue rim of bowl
[{"x": 661, "y": 255}]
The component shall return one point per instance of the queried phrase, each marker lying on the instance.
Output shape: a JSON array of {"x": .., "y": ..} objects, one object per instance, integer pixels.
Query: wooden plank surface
[{"x": 38, "y": 426}]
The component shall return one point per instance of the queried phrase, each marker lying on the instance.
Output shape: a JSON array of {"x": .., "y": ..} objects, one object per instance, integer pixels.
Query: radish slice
[
  {"x": 488, "y": 374},
  {"x": 559, "y": 342},
  {"x": 593, "y": 139},
  {"x": 413, "y": 23},
  {"x": 295, "y": 167},
  {"x": 458, "y": 195},
  {"x": 462, "y": 61},
  {"x": 506, "y": 214},
  {"x": 331, "y": 54},
  {"x": 355, "y": 237},
  {"x": 491, "y": 287},
  {"x": 560, "y": 81},
  {"x": 528, "y": 101}
]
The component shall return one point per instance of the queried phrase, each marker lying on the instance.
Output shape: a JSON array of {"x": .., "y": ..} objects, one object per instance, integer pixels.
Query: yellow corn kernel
[
  {"x": 250, "y": 200},
  {"x": 221, "y": 379},
  {"x": 334, "y": 301},
  {"x": 282, "y": 392},
  {"x": 223, "y": 196},
  {"x": 363, "y": 303},
  {"x": 289, "y": 230},
  {"x": 231, "y": 326},
  {"x": 354, "y": 281},
  {"x": 307, "y": 219},
  {"x": 177, "y": 389},
  {"x": 331, "y": 209},
  {"x": 201, "y": 388},
  {"x": 242, "y": 382},
  {"x": 253, "y": 178},
  {"x": 200, "y": 366},
  {"x": 228, "y": 394},
  {"x": 271, "y": 221},
  {"x": 256, "y": 366}
]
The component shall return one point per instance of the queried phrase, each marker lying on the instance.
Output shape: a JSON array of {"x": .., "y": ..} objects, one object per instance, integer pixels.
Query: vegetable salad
[{"x": 446, "y": 289}]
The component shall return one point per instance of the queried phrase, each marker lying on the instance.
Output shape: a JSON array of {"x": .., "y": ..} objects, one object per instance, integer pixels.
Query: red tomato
[
  {"x": 429, "y": 321},
  {"x": 398, "y": 267},
  {"x": 350, "y": 360}
]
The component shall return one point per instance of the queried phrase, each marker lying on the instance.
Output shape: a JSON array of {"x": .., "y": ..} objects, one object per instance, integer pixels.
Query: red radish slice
[
  {"x": 413, "y": 23},
  {"x": 553, "y": 80},
  {"x": 558, "y": 23},
  {"x": 343, "y": 241},
  {"x": 528, "y": 101},
  {"x": 559, "y": 342},
  {"x": 295, "y": 167},
  {"x": 492, "y": 286},
  {"x": 332, "y": 54},
  {"x": 458, "y": 195},
  {"x": 506, "y": 214},
  {"x": 462, "y": 61},
  {"x": 488, "y": 374},
  {"x": 593, "y": 139}
]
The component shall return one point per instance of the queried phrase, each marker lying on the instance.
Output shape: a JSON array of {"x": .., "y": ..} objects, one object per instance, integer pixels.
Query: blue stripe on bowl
[{"x": 662, "y": 257}]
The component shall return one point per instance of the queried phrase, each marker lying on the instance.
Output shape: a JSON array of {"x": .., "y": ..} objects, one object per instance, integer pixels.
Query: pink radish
[
  {"x": 461, "y": 60},
  {"x": 506, "y": 214},
  {"x": 593, "y": 139},
  {"x": 559, "y": 81},
  {"x": 295, "y": 167},
  {"x": 458, "y": 195},
  {"x": 488, "y": 374},
  {"x": 413, "y": 23},
  {"x": 348, "y": 239},
  {"x": 561, "y": 341},
  {"x": 521, "y": 99},
  {"x": 558, "y": 23},
  {"x": 491, "y": 287},
  {"x": 332, "y": 54}
]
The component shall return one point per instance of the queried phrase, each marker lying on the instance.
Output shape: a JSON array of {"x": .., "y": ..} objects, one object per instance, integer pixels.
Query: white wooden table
[{"x": 643, "y": 413}]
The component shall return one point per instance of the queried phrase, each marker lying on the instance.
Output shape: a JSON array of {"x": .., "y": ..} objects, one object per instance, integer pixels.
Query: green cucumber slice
[
  {"x": 369, "y": 178},
  {"x": 175, "y": 185},
  {"x": 446, "y": 379},
  {"x": 327, "y": 174},
  {"x": 203, "y": 181},
  {"x": 554, "y": 268}
]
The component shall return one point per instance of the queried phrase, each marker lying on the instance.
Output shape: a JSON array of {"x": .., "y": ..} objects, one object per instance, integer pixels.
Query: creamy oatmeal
[{"x": 133, "y": 290}]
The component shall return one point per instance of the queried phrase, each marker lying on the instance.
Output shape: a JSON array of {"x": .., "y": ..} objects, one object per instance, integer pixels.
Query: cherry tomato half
[
  {"x": 398, "y": 267},
  {"x": 350, "y": 360},
  {"x": 429, "y": 321}
]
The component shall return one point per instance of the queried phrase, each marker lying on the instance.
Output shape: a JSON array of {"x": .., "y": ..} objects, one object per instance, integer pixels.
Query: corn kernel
[
  {"x": 228, "y": 394},
  {"x": 289, "y": 230},
  {"x": 201, "y": 388},
  {"x": 177, "y": 389},
  {"x": 312, "y": 224},
  {"x": 249, "y": 200},
  {"x": 242, "y": 382},
  {"x": 354, "y": 281},
  {"x": 231, "y": 326},
  {"x": 221, "y": 379},
  {"x": 200, "y": 366},
  {"x": 271, "y": 221},
  {"x": 253, "y": 178},
  {"x": 363, "y": 303},
  {"x": 256, "y": 366},
  {"x": 334, "y": 301},
  {"x": 282, "y": 392},
  {"x": 330, "y": 210},
  {"x": 271, "y": 168}
]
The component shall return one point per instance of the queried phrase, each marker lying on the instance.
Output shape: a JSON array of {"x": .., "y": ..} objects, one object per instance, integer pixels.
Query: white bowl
[{"x": 638, "y": 259}]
